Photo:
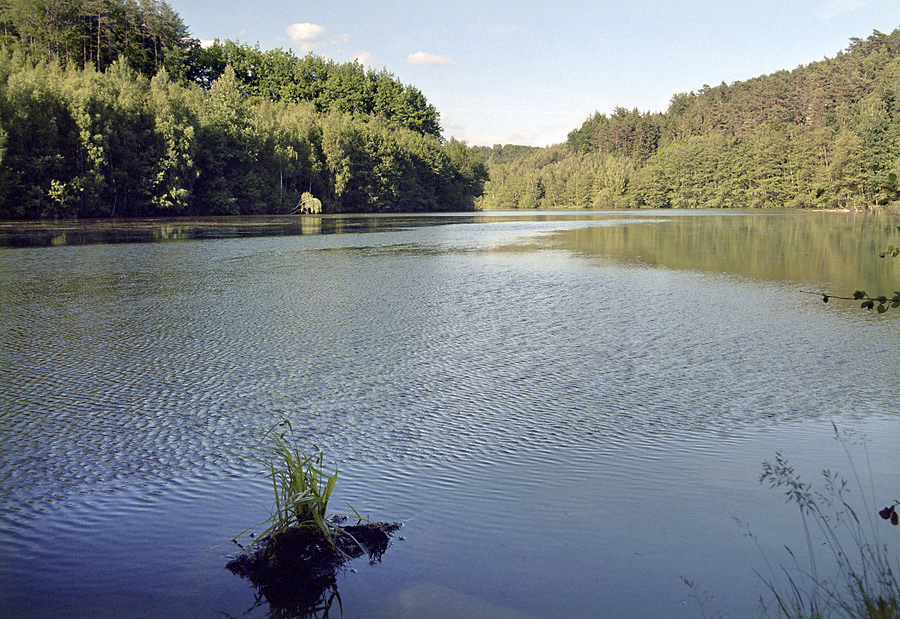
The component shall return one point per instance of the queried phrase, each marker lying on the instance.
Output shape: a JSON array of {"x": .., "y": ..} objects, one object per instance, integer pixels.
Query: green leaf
[
  {"x": 859, "y": 294},
  {"x": 882, "y": 309},
  {"x": 824, "y": 298}
]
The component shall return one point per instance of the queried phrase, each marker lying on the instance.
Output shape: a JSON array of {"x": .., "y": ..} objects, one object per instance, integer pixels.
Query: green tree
[
  {"x": 467, "y": 174},
  {"x": 175, "y": 173},
  {"x": 40, "y": 137}
]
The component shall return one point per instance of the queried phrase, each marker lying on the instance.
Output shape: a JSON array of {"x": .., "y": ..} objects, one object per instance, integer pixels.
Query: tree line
[
  {"x": 825, "y": 135},
  {"x": 110, "y": 108}
]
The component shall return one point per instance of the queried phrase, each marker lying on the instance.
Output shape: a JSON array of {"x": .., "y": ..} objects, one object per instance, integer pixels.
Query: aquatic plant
[
  {"x": 702, "y": 597},
  {"x": 861, "y": 581},
  {"x": 294, "y": 559},
  {"x": 301, "y": 487}
]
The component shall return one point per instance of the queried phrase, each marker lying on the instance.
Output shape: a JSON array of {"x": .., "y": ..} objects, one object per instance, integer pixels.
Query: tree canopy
[
  {"x": 279, "y": 75},
  {"x": 78, "y": 32},
  {"x": 110, "y": 108}
]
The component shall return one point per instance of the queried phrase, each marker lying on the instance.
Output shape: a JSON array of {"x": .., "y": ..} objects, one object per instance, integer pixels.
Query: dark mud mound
[{"x": 295, "y": 569}]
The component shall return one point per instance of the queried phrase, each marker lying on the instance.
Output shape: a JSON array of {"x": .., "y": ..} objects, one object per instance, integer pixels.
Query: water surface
[{"x": 567, "y": 411}]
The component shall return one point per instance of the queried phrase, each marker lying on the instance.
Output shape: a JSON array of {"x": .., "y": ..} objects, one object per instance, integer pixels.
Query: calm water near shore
[{"x": 567, "y": 411}]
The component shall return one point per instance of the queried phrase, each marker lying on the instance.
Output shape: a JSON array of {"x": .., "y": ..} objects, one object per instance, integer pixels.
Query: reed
[{"x": 847, "y": 571}]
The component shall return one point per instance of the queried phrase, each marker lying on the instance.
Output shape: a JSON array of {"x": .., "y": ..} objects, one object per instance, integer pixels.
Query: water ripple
[{"x": 459, "y": 373}]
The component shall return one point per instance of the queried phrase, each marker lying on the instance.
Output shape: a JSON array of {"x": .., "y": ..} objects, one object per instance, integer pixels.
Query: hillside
[{"x": 825, "y": 135}]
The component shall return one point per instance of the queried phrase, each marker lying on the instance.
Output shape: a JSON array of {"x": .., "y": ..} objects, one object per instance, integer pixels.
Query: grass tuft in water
[
  {"x": 300, "y": 485},
  {"x": 293, "y": 561},
  {"x": 848, "y": 570}
]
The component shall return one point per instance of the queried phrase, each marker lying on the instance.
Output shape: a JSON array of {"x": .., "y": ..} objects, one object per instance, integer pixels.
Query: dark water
[{"x": 567, "y": 411}]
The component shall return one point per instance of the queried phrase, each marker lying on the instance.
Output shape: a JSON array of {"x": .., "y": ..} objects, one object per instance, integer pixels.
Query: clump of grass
[
  {"x": 858, "y": 579},
  {"x": 301, "y": 487},
  {"x": 294, "y": 558}
]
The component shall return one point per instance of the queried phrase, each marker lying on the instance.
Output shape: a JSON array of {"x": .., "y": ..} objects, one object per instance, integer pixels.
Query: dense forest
[
  {"x": 111, "y": 108},
  {"x": 824, "y": 135}
]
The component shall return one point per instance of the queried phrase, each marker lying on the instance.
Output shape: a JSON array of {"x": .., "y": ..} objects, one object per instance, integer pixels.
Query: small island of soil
[{"x": 296, "y": 567}]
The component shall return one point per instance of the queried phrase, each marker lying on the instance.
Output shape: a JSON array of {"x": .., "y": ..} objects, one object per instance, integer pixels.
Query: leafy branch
[
  {"x": 880, "y": 304},
  {"x": 890, "y": 513}
]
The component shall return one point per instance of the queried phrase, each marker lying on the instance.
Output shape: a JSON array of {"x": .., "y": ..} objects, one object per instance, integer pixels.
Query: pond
[{"x": 568, "y": 412}]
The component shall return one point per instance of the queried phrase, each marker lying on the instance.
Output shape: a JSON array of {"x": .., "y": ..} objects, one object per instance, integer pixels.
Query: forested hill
[
  {"x": 112, "y": 108},
  {"x": 826, "y": 134}
]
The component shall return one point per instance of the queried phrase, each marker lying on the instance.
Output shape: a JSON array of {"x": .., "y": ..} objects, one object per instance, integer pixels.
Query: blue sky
[{"x": 530, "y": 72}]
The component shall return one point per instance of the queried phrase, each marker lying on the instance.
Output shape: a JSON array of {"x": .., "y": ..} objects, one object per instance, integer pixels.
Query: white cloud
[
  {"x": 833, "y": 8},
  {"x": 311, "y": 36},
  {"x": 485, "y": 125},
  {"x": 484, "y": 136},
  {"x": 364, "y": 58},
  {"x": 421, "y": 58},
  {"x": 306, "y": 34}
]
